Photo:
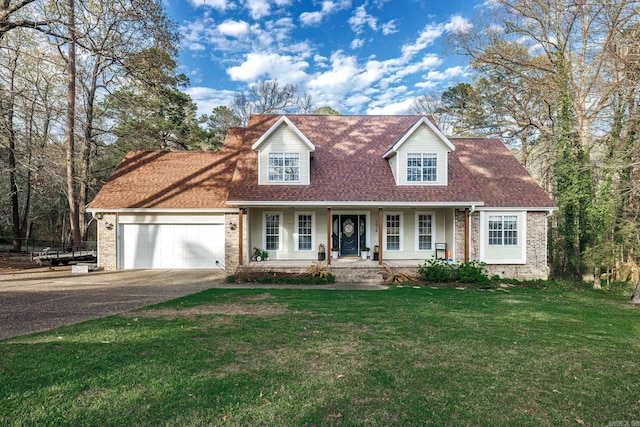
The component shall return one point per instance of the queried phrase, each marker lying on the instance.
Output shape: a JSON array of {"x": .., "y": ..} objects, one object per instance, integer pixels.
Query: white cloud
[
  {"x": 258, "y": 8},
  {"x": 259, "y": 65},
  {"x": 357, "y": 43},
  {"x": 310, "y": 19},
  {"x": 220, "y": 5},
  {"x": 389, "y": 27},
  {"x": 458, "y": 25},
  {"x": 208, "y": 98},
  {"x": 196, "y": 34},
  {"x": 427, "y": 36},
  {"x": 447, "y": 74},
  {"x": 233, "y": 28},
  {"x": 398, "y": 107},
  {"x": 361, "y": 19}
]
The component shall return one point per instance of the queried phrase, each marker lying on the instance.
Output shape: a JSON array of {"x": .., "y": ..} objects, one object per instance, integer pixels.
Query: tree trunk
[
  {"x": 635, "y": 299},
  {"x": 74, "y": 220},
  {"x": 13, "y": 186}
]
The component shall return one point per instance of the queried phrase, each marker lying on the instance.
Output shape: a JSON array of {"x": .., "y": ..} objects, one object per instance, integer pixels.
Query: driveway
[{"x": 45, "y": 298}]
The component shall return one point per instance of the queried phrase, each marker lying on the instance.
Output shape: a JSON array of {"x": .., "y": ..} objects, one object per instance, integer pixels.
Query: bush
[
  {"x": 473, "y": 272},
  {"x": 436, "y": 270},
  {"x": 442, "y": 271}
]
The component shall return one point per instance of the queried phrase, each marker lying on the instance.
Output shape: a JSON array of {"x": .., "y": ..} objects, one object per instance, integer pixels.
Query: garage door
[{"x": 172, "y": 246}]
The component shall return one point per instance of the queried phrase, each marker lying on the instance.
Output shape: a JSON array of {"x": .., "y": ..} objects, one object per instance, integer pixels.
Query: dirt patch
[
  {"x": 235, "y": 309},
  {"x": 11, "y": 261}
]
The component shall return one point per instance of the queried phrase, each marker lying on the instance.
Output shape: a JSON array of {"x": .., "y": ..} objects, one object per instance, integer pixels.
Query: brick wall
[
  {"x": 107, "y": 242},
  {"x": 231, "y": 241},
  {"x": 536, "y": 266}
]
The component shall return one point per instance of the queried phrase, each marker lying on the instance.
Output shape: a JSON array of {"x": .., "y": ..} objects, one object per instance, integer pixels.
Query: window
[
  {"x": 393, "y": 232},
  {"x": 272, "y": 231},
  {"x": 503, "y": 230},
  {"x": 424, "y": 224},
  {"x": 305, "y": 232},
  {"x": 422, "y": 167},
  {"x": 284, "y": 167}
]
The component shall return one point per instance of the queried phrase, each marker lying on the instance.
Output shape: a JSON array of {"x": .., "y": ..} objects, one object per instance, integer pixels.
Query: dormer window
[
  {"x": 284, "y": 167},
  {"x": 422, "y": 167}
]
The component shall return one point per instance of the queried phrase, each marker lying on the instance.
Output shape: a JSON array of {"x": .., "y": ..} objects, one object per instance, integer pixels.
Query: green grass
[{"x": 310, "y": 357}]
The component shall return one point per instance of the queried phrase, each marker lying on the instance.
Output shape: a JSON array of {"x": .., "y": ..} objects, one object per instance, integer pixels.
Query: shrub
[
  {"x": 436, "y": 270},
  {"x": 473, "y": 272}
]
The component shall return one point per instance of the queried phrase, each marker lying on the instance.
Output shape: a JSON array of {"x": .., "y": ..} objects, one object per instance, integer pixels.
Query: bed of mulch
[
  {"x": 273, "y": 277},
  {"x": 12, "y": 261}
]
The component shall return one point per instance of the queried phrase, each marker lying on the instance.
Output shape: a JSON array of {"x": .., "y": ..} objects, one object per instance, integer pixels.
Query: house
[{"x": 288, "y": 184}]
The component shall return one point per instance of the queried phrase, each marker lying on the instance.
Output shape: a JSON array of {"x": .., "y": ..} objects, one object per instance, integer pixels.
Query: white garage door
[{"x": 172, "y": 246}]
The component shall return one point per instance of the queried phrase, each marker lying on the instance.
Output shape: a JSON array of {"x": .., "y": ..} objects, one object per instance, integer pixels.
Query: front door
[{"x": 349, "y": 236}]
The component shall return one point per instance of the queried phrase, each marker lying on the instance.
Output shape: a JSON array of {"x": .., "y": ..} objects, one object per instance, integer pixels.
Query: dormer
[
  {"x": 284, "y": 155},
  {"x": 420, "y": 157}
]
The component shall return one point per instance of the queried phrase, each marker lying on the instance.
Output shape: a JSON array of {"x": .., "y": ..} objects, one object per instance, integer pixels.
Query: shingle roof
[
  {"x": 348, "y": 166},
  {"x": 171, "y": 180}
]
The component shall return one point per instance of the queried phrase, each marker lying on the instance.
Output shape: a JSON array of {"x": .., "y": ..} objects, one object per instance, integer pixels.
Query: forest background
[{"x": 83, "y": 82}]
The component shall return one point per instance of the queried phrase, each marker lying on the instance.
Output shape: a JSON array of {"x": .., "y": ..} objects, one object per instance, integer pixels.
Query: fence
[{"x": 33, "y": 245}]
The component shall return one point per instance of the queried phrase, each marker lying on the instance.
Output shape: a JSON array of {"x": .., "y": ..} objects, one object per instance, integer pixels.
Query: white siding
[
  {"x": 423, "y": 140},
  {"x": 283, "y": 140}
]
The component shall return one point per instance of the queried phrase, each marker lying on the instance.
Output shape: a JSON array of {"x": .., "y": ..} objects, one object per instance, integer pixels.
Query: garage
[{"x": 171, "y": 242}]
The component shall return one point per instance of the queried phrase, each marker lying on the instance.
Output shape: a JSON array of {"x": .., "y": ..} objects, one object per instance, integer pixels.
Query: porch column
[
  {"x": 240, "y": 236},
  {"x": 379, "y": 236},
  {"x": 467, "y": 234},
  {"x": 328, "y": 250}
]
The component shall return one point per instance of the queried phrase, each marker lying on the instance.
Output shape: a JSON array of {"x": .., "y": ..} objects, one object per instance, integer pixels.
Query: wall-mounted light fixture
[
  {"x": 108, "y": 226},
  {"x": 233, "y": 226},
  {"x": 98, "y": 215}
]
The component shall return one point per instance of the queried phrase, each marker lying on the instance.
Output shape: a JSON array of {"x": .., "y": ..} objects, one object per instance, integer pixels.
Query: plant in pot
[
  {"x": 265, "y": 256},
  {"x": 335, "y": 252},
  {"x": 364, "y": 252}
]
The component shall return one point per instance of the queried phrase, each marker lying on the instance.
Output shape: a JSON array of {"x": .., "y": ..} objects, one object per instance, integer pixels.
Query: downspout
[{"x": 467, "y": 231}]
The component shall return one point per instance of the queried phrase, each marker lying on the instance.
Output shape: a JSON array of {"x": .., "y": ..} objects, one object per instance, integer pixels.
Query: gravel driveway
[{"x": 44, "y": 298}]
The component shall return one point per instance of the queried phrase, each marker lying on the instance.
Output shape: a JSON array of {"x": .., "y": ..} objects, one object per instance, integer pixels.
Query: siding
[
  {"x": 423, "y": 140},
  {"x": 283, "y": 140}
]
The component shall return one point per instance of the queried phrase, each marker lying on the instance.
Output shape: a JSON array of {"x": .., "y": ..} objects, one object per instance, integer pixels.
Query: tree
[
  {"x": 563, "y": 56},
  {"x": 264, "y": 97},
  {"x": 326, "y": 110},
  {"x": 217, "y": 124}
]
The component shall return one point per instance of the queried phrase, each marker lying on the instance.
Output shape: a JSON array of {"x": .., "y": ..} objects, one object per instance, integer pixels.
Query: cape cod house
[{"x": 297, "y": 185}]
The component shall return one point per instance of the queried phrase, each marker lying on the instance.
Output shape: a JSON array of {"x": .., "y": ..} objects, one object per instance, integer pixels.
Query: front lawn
[{"x": 401, "y": 357}]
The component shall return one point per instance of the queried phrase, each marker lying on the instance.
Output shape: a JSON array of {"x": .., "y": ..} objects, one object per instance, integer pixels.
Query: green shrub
[
  {"x": 436, "y": 270},
  {"x": 473, "y": 272},
  {"x": 440, "y": 271}
]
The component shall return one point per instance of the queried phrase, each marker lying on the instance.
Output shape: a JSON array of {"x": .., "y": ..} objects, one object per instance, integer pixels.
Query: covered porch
[{"x": 352, "y": 236}]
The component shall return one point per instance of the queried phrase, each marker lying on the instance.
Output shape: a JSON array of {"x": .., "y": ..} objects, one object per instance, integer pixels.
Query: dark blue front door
[{"x": 349, "y": 235}]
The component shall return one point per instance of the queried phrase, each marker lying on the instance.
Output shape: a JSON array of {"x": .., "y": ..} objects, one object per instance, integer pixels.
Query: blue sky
[{"x": 358, "y": 57}]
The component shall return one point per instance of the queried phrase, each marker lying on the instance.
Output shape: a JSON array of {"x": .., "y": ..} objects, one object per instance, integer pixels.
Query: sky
[{"x": 356, "y": 56}]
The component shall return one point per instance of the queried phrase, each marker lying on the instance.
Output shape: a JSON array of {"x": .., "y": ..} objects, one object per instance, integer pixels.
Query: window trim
[
  {"x": 417, "y": 230},
  {"x": 296, "y": 234},
  {"x": 280, "y": 231},
  {"x": 512, "y": 254},
  {"x": 422, "y": 168},
  {"x": 400, "y": 231},
  {"x": 283, "y": 156}
]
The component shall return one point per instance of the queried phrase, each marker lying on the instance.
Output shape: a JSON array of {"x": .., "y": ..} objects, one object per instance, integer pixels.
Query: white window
[
  {"x": 272, "y": 222},
  {"x": 422, "y": 167},
  {"x": 284, "y": 167},
  {"x": 503, "y": 230},
  {"x": 305, "y": 231},
  {"x": 393, "y": 232},
  {"x": 424, "y": 231}
]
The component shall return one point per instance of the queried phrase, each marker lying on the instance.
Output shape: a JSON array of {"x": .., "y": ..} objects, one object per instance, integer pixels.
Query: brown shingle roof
[
  {"x": 347, "y": 166},
  {"x": 173, "y": 180}
]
